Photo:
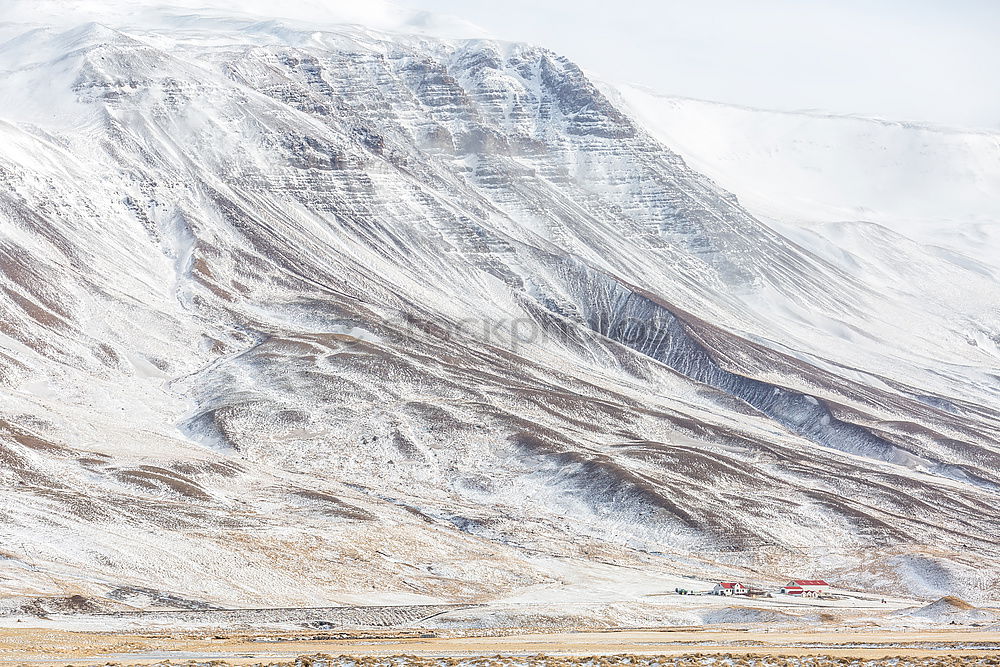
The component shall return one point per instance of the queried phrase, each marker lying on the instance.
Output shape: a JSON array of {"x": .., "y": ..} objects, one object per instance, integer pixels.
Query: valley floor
[{"x": 717, "y": 646}]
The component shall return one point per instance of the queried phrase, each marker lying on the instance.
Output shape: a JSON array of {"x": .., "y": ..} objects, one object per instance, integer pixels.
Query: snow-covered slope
[
  {"x": 300, "y": 315},
  {"x": 912, "y": 211},
  {"x": 934, "y": 185}
]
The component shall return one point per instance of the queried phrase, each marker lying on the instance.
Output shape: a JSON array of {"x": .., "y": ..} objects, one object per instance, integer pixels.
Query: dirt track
[{"x": 52, "y": 647}]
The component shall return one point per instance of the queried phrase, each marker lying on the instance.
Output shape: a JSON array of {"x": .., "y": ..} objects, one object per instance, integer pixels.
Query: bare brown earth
[{"x": 59, "y": 647}]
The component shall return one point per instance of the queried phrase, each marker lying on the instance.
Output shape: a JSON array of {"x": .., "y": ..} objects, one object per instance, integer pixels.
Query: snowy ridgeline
[{"x": 298, "y": 317}]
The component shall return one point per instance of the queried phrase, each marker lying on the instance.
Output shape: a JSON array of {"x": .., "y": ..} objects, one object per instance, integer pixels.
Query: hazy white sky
[{"x": 928, "y": 60}]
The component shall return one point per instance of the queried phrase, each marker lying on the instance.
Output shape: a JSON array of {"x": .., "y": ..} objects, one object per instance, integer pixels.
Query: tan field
[{"x": 60, "y": 647}]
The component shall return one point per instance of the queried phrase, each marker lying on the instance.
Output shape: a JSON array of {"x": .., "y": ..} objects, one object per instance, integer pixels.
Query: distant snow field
[{"x": 935, "y": 185}]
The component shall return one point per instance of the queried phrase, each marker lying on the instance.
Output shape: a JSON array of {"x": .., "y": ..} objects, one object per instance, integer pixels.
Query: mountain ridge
[{"x": 269, "y": 320}]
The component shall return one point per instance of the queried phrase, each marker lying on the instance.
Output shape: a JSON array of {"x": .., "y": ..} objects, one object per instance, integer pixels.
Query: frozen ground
[{"x": 840, "y": 610}]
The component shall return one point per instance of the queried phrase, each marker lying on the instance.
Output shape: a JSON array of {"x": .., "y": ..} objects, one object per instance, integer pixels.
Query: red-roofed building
[
  {"x": 809, "y": 588},
  {"x": 729, "y": 588}
]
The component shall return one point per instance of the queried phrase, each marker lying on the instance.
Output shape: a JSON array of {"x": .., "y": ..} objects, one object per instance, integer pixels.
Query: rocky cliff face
[{"x": 298, "y": 317}]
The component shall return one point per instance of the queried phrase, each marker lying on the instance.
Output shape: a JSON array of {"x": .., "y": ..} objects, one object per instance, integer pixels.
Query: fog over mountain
[{"x": 298, "y": 314}]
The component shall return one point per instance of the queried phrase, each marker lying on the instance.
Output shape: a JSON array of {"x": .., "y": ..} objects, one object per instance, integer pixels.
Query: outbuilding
[{"x": 809, "y": 588}]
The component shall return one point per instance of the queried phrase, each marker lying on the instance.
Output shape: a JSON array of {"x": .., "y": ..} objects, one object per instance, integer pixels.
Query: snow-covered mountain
[{"x": 298, "y": 314}]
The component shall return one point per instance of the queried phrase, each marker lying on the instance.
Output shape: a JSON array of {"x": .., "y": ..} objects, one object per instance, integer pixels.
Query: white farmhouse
[{"x": 729, "y": 588}]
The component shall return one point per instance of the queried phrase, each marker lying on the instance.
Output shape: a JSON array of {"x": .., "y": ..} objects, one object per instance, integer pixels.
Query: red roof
[
  {"x": 808, "y": 582},
  {"x": 727, "y": 584}
]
